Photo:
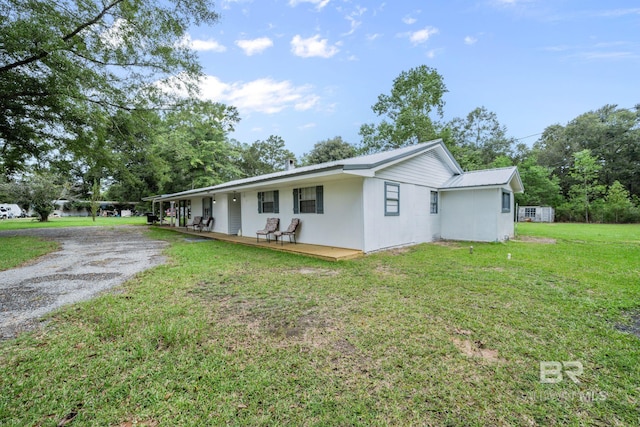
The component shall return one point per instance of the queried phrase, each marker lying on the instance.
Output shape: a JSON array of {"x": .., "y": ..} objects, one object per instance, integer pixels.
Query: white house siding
[
  {"x": 505, "y": 219},
  {"x": 220, "y": 214},
  {"x": 413, "y": 225},
  {"x": 471, "y": 214},
  {"x": 426, "y": 169},
  {"x": 196, "y": 207},
  {"x": 434, "y": 220},
  {"x": 340, "y": 225}
]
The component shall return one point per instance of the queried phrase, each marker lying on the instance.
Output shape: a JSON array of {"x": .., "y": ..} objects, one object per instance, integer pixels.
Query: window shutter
[
  {"x": 259, "y": 201},
  {"x": 276, "y": 202},
  {"x": 319, "y": 200},
  {"x": 296, "y": 201}
]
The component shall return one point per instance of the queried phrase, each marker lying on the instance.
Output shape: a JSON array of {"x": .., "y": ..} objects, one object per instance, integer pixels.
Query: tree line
[
  {"x": 101, "y": 102},
  {"x": 587, "y": 169}
]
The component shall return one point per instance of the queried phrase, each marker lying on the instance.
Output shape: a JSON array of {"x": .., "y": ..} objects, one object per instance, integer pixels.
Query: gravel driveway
[{"x": 91, "y": 260}]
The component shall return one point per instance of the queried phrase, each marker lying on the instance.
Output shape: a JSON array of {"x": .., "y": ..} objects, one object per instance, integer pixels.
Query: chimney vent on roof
[{"x": 290, "y": 164}]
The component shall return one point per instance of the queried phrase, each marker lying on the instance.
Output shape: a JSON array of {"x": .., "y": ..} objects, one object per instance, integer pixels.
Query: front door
[{"x": 235, "y": 213}]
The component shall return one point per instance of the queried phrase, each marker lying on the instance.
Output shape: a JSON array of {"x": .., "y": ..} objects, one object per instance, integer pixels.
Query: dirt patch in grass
[
  {"x": 633, "y": 327},
  {"x": 398, "y": 251},
  {"x": 317, "y": 271},
  {"x": 388, "y": 271},
  {"x": 448, "y": 244},
  {"x": 533, "y": 239},
  {"x": 281, "y": 320},
  {"x": 477, "y": 349}
]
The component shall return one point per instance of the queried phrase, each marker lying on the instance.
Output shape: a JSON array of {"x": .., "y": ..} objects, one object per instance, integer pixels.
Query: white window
[
  {"x": 391, "y": 199},
  {"x": 268, "y": 202},
  {"x": 529, "y": 212},
  {"x": 308, "y": 200}
]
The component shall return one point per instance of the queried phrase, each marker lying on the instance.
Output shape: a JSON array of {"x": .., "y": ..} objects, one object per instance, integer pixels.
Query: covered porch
[{"x": 328, "y": 253}]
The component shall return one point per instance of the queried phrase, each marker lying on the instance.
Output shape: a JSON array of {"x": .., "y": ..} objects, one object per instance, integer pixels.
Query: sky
[{"x": 310, "y": 70}]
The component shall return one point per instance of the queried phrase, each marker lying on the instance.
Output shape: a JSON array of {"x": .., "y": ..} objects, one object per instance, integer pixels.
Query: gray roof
[
  {"x": 485, "y": 178},
  {"x": 370, "y": 161}
]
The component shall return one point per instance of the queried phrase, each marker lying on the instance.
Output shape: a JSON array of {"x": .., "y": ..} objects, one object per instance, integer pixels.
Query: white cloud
[
  {"x": 359, "y": 11},
  {"x": 313, "y": 46},
  {"x": 513, "y": 4},
  {"x": 619, "y": 12},
  {"x": 254, "y": 46},
  {"x": 213, "y": 89},
  {"x": 202, "y": 45},
  {"x": 318, "y": 3},
  {"x": 226, "y": 4},
  {"x": 470, "y": 40},
  {"x": 421, "y": 36},
  {"x": 207, "y": 45},
  {"x": 307, "y": 126},
  {"x": 263, "y": 95},
  {"x": 354, "y": 25},
  {"x": 113, "y": 35},
  {"x": 307, "y": 103},
  {"x": 372, "y": 37},
  {"x": 618, "y": 50},
  {"x": 607, "y": 55},
  {"x": 409, "y": 20}
]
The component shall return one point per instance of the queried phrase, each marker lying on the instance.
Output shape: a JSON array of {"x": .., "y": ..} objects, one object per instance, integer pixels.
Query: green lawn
[
  {"x": 17, "y": 251},
  {"x": 68, "y": 221},
  {"x": 430, "y": 335}
]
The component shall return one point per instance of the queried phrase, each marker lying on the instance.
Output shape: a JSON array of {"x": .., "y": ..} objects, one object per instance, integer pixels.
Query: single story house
[
  {"x": 402, "y": 197},
  {"x": 536, "y": 214}
]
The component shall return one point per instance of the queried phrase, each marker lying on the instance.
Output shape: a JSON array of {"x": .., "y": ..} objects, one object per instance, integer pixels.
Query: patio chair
[
  {"x": 269, "y": 229},
  {"x": 197, "y": 222},
  {"x": 291, "y": 231},
  {"x": 206, "y": 224}
]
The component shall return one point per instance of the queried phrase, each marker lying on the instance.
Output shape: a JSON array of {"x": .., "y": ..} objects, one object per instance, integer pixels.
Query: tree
[
  {"x": 555, "y": 151},
  {"x": 137, "y": 169},
  {"x": 540, "y": 187},
  {"x": 264, "y": 157},
  {"x": 415, "y": 95},
  {"x": 613, "y": 136},
  {"x": 585, "y": 171},
  {"x": 193, "y": 142},
  {"x": 38, "y": 192},
  {"x": 479, "y": 140},
  {"x": 619, "y": 203},
  {"x": 330, "y": 150},
  {"x": 66, "y": 64},
  {"x": 95, "y": 198}
]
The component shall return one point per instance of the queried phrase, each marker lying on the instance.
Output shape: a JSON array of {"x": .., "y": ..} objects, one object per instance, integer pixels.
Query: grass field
[
  {"x": 68, "y": 221},
  {"x": 430, "y": 335},
  {"x": 18, "y": 250}
]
